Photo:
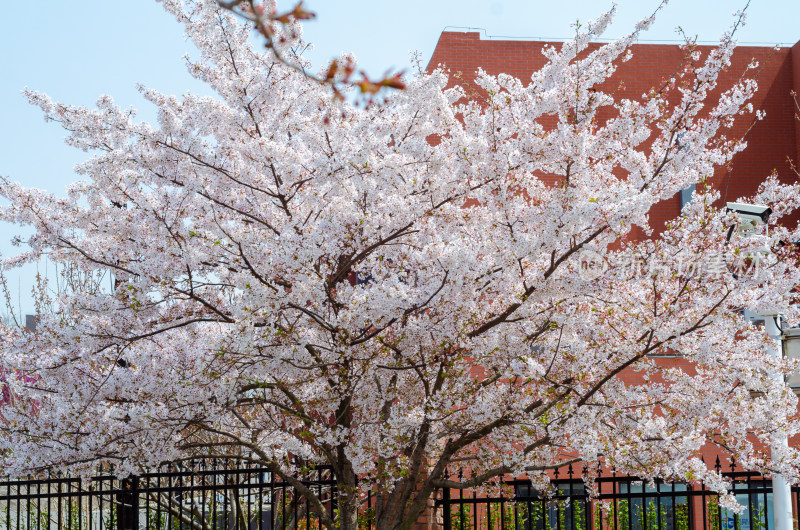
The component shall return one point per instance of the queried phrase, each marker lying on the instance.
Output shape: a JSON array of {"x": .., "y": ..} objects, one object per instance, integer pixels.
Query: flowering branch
[{"x": 339, "y": 73}]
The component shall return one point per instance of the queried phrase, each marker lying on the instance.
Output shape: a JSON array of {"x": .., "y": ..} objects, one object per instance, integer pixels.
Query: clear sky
[{"x": 77, "y": 50}]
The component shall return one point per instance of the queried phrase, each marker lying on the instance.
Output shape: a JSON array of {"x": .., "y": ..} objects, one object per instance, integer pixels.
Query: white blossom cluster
[{"x": 394, "y": 289}]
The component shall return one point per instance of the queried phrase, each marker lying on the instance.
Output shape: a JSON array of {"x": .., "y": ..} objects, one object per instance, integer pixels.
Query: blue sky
[{"x": 78, "y": 50}]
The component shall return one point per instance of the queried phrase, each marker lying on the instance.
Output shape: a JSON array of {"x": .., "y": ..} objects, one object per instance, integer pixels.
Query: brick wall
[{"x": 770, "y": 141}]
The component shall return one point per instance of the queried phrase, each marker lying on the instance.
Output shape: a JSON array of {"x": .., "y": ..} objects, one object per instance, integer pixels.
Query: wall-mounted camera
[
  {"x": 757, "y": 214},
  {"x": 750, "y": 216}
]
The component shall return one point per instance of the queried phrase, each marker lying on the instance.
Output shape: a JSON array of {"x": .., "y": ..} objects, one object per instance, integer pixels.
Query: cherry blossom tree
[{"x": 394, "y": 289}]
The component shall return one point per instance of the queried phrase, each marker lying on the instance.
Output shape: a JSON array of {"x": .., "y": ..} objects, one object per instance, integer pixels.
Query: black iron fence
[
  {"x": 620, "y": 503},
  {"x": 228, "y": 495},
  {"x": 202, "y": 495}
]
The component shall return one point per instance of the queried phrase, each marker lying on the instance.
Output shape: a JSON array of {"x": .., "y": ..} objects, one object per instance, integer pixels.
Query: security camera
[
  {"x": 750, "y": 216},
  {"x": 755, "y": 214}
]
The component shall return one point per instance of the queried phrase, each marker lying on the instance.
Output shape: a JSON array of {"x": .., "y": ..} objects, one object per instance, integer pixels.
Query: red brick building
[{"x": 772, "y": 143}]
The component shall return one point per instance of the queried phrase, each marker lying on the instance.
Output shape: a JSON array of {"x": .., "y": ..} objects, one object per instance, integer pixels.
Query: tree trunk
[
  {"x": 393, "y": 515},
  {"x": 348, "y": 509}
]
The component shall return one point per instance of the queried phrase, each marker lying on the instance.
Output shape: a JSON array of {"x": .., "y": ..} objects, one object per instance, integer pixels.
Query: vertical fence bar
[
  {"x": 144, "y": 490},
  {"x": 461, "y": 500},
  {"x": 18, "y": 511},
  {"x": 283, "y": 504},
  {"x": 308, "y": 513},
  {"x": 502, "y": 507},
  {"x": 99, "y": 503},
  {"x": 80, "y": 505},
  {"x": 369, "y": 505},
  {"x": 587, "y": 507},
  {"x": 214, "y": 495},
  {"x": 260, "y": 501},
  {"x": 190, "y": 493},
  {"x": 89, "y": 506},
  {"x": 557, "y": 502},
  {"x": 571, "y": 503},
  {"x": 334, "y": 493},
  {"x": 446, "y": 520},
  {"x": 704, "y": 501},
  {"x": 161, "y": 517},
  {"x": 475, "y": 513},
  {"x": 614, "y": 500},
  {"x": 272, "y": 500},
  {"x": 296, "y": 507},
  {"x": 320, "y": 489},
  {"x": 249, "y": 490},
  {"x": 39, "y": 505},
  {"x": 658, "y": 504},
  {"x": 719, "y": 508},
  {"x": 750, "y": 507},
  {"x": 68, "y": 484},
  {"x": 58, "y": 518}
]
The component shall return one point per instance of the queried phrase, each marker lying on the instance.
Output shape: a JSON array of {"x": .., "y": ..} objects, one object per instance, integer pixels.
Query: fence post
[
  {"x": 128, "y": 504},
  {"x": 446, "y": 508}
]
